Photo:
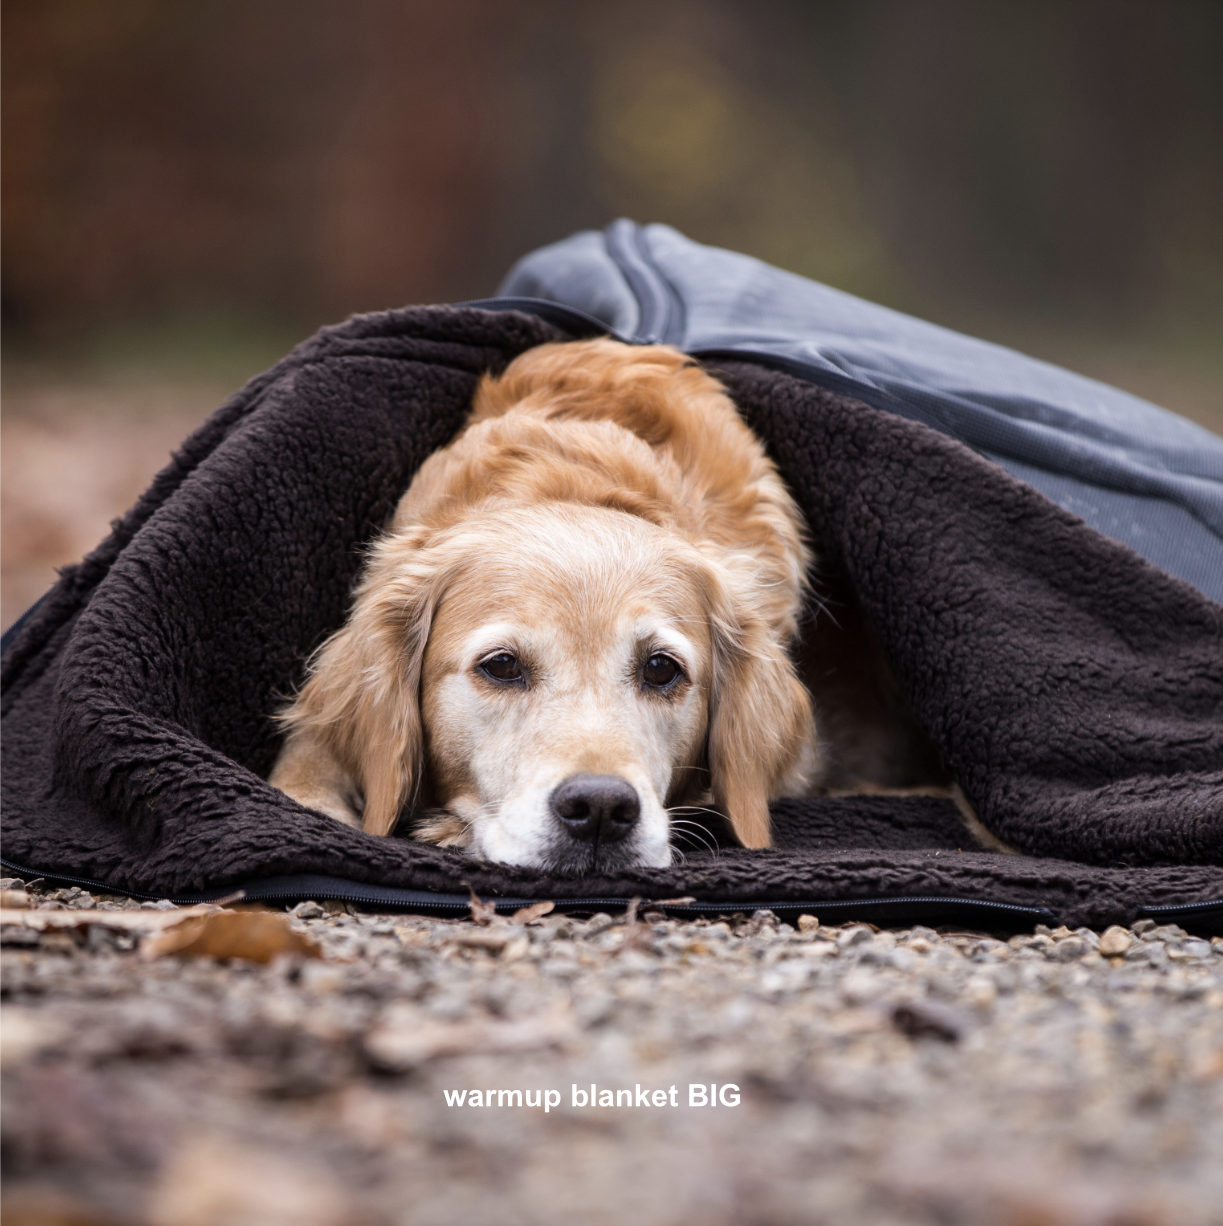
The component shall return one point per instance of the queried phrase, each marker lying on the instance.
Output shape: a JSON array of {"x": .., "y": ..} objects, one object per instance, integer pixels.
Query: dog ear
[
  {"x": 362, "y": 698},
  {"x": 761, "y": 740}
]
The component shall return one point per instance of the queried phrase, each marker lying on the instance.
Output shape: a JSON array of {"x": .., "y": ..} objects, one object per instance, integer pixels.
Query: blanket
[
  {"x": 1132, "y": 470},
  {"x": 1073, "y": 688}
]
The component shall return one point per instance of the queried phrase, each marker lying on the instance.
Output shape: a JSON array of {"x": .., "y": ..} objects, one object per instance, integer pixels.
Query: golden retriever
[{"x": 579, "y": 619}]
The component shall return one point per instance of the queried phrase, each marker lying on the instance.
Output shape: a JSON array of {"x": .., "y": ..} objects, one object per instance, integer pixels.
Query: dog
[
  {"x": 577, "y": 625},
  {"x": 580, "y": 633}
]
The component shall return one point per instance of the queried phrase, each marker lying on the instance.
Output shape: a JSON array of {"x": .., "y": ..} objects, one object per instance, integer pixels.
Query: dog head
[
  {"x": 547, "y": 681},
  {"x": 577, "y": 621}
]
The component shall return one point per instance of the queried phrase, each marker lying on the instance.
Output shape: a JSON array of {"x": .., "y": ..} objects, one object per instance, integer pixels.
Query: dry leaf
[
  {"x": 123, "y": 921},
  {"x": 483, "y": 912},
  {"x": 236, "y": 896},
  {"x": 257, "y": 936},
  {"x": 535, "y": 911}
]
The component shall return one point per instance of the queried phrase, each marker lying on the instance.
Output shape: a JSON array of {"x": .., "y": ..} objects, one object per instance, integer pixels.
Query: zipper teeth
[
  {"x": 1182, "y": 907},
  {"x": 445, "y": 903},
  {"x": 450, "y": 903}
]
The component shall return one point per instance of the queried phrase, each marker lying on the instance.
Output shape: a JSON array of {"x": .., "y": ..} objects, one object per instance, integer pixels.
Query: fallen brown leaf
[
  {"x": 124, "y": 921},
  {"x": 483, "y": 912},
  {"x": 524, "y": 915},
  {"x": 257, "y": 936}
]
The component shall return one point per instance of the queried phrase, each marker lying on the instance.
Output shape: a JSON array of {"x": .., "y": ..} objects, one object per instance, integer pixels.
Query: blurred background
[{"x": 188, "y": 189}]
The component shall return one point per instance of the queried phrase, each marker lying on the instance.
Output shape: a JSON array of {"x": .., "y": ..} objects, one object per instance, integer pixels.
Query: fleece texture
[{"x": 1074, "y": 689}]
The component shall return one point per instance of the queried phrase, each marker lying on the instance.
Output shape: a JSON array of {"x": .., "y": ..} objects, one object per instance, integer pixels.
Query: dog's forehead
[
  {"x": 579, "y": 619},
  {"x": 576, "y": 578},
  {"x": 597, "y": 610}
]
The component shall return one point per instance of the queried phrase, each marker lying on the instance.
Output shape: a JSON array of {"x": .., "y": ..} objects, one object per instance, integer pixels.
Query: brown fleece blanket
[{"x": 1075, "y": 690}]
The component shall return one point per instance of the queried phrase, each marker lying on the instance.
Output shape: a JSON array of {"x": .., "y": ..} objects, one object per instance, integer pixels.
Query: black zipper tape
[
  {"x": 883, "y": 911},
  {"x": 1202, "y": 917}
]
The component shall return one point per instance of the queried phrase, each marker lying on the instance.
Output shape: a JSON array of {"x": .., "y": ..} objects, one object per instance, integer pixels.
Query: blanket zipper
[{"x": 283, "y": 889}]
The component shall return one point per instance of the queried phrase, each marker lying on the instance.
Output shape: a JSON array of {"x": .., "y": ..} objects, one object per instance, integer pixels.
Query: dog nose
[{"x": 601, "y": 808}]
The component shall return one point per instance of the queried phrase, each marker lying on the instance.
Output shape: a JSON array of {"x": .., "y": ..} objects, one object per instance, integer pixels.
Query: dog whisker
[
  {"x": 689, "y": 830},
  {"x": 695, "y": 809},
  {"x": 692, "y": 832}
]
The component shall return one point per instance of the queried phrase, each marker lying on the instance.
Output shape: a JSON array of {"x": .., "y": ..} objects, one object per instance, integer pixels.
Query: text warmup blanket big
[{"x": 1075, "y": 689}]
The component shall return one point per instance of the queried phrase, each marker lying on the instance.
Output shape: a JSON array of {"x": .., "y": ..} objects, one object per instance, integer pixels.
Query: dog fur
[{"x": 605, "y": 508}]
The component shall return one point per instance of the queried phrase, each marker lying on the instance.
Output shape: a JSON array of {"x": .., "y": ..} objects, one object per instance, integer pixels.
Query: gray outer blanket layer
[
  {"x": 1075, "y": 689},
  {"x": 1135, "y": 472}
]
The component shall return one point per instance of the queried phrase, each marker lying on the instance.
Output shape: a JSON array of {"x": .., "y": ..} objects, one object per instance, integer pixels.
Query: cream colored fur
[{"x": 604, "y": 504}]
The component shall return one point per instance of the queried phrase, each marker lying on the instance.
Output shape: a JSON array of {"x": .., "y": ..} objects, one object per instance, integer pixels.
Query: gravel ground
[{"x": 863, "y": 1077}]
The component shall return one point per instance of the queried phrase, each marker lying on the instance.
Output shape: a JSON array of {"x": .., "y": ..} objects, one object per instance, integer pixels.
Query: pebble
[
  {"x": 857, "y": 935},
  {"x": 980, "y": 991},
  {"x": 1115, "y": 941},
  {"x": 909, "y": 1076},
  {"x": 1069, "y": 949}
]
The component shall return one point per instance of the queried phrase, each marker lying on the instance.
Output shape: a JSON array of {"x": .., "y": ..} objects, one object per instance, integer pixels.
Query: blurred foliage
[
  {"x": 674, "y": 135},
  {"x": 1039, "y": 172}
]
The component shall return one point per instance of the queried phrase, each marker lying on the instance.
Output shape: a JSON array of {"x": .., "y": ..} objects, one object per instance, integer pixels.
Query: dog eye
[
  {"x": 660, "y": 671},
  {"x": 502, "y": 667}
]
